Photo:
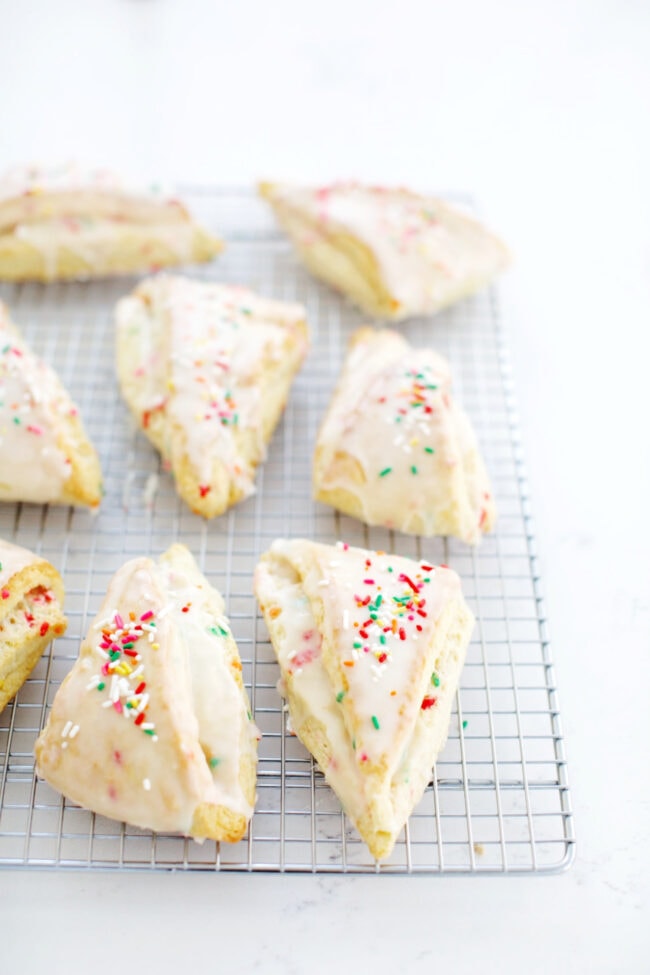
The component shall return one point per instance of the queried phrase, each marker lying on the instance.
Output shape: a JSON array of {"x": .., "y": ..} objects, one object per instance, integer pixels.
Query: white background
[{"x": 541, "y": 111}]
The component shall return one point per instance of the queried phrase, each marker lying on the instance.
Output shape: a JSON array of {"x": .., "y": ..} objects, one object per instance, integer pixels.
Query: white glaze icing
[
  {"x": 35, "y": 193},
  {"x": 289, "y": 584},
  {"x": 90, "y": 214},
  {"x": 428, "y": 252},
  {"x": 380, "y": 612},
  {"x": 200, "y": 351},
  {"x": 394, "y": 414},
  {"x": 192, "y": 709},
  {"x": 32, "y": 401}
]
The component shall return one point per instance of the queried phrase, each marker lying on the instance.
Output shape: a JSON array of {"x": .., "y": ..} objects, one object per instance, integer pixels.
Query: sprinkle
[
  {"x": 5, "y": 594},
  {"x": 119, "y": 622},
  {"x": 340, "y": 696},
  {"x": 66, "y": 729},
  {"x": 375, "y": 722},
  {"x": 435, "y": 680},
  {"x": 385, "y": 471},
  {"x": 348, "y": 663},
  {"x": 464, "y": 724},
  {"x": 146, "y": 616},
  {"x": 140, "y": 718},
  {"x": 275, "y": 612},
  {"x": 428, "y": 702},
  {"x": 44, "y": 628},
  {"x": 369, "y": 582},
  {"x": 214, "y": 762},
  {"x": 74, "y": 731},
  {"x": 414, "y": 469},
  {"x": 146, "y": 785},
  {"x": 429, "y": 450}
]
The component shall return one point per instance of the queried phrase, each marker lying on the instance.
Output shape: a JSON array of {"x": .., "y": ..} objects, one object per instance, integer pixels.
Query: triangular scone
[
  {"x": 31, "y": 614},
  {"x": 394, "y": 253},
  {"x": 395, "y": 450},
  {"x": 370, "y": 648},
  {"x": 152, "y": 725},
  {"x": 206, "y": 370},
  {"x": 45, "y": 455},
  {"x": 65, "y": 222}
]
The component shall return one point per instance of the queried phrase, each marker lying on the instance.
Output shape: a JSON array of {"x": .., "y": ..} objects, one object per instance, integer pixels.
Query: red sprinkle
[
  {"x": 131, "y": 653},
  {"x": 204, "y": 489},
  {"x": 5, "y": 594},
  {"x": 382, "y": 658},
  {"x": 369, "y": 582},
  {"x": 140, "y": 718},
  {"x": 141, "y": 686},
  {"x": 427, "y": 703},
  {"x": 44, "y": 628},
  {"x": 402, "y": 633},
  {"x": 405, "y": 578},
  {"x": 428, "y": 568}
]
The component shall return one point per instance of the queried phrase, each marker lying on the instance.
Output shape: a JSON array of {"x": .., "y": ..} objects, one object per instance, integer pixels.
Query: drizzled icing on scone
[
  {"x": 427, "y": 251},
  {"x": 152, "y": 708},
  {"x": 33, "y": 467},
  {"x": 395, "y": 440},
  {"x": 203, "y": 349},
  {"x": 380, "y": 611}
]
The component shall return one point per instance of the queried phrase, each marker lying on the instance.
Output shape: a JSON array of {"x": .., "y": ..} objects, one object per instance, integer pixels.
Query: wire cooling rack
[{"x": 498, "y": 800}]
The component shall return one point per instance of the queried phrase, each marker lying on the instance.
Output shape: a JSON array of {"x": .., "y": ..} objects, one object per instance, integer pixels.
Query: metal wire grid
[{"x": 498, "y": 801}]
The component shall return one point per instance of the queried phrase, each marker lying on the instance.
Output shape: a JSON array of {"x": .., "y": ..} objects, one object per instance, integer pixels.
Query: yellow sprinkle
[
  {"x": 414, "y": 442},
  {"x": 155, "y": 646}
]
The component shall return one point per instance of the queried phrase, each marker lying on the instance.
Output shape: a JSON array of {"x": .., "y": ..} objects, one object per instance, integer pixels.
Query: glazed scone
[
  {"x": 395, "y": 450},
  {"x": 45, "y": 455},
  {"x": 206, "y": 370},
  {"x": 393, "y": 252},
  {"x": 31, "y": 614},
  {"x": 152, "y": 725},
  {"x": 65, "y": 222},
  {"x": 370, "y": 648}
]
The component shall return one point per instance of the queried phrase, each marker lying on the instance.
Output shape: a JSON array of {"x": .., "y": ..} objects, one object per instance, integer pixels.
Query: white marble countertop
[{"x": 542, "y": 114}]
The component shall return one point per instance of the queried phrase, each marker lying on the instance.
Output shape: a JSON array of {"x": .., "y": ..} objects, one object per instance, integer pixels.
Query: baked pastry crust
[
  {"x": 393, "y": 252},
  {"x": 206, "y": 370},
  {"x": 31, "y": 614},
  {"x": 395, "y": 450},
  {"x": 67, "y": 223},
  {"x": 152, "y": 725},
  {"x": 370, "y": 648},
  {"x": 45, "y": 455}
]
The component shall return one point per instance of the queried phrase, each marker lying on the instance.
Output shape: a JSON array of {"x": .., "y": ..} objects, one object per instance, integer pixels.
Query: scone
[
  {"x": 395, "y": 450},
  {"x": 394, "y": 253},
  {"x": 31, "y": 614},
  {"x": 370, "y": 648},
  {"x": 206, "y": 370},
  {"x": 45, "y": 455},
  {"x": 152, "y": 725},
  {"x": 67, "y": 223}
]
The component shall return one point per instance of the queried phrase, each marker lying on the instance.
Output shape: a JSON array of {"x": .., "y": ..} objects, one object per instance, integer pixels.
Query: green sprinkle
[
  {"x": 435, "y": 680},
  {"x": 213, "y": 629},
  {"x": 464, "y": 724},
  {"x": 426, "y": 580},
  {"x": 101, "y": 685},
  {"x": 378, "y": 601},
  {"x": 128, "y": 704},
  {"x": 382, "y": 638},
  {"x": 354, "y": 744},
  {"x": 149, "y": 731},
  {"x": 385, "y": 471},
  {"x": 357, "y": 645},
  {"x": 214, "y": 762},
  {"x": 390, "y": 568},
  {"x": 114, "y": 654},
  {"x": 6, "y": 349},
  {"x": 375, "y": 722},
  {"x": 429, "y": 450},
  {"x": 16, "y": 420},
  {"x": 414, "y": 469},
  {"x": 250, "y": 716},
  {"x": 340, "y": 696},
  {"x": 373, "y": 616},
  {"x": 128, "y": 646}
]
